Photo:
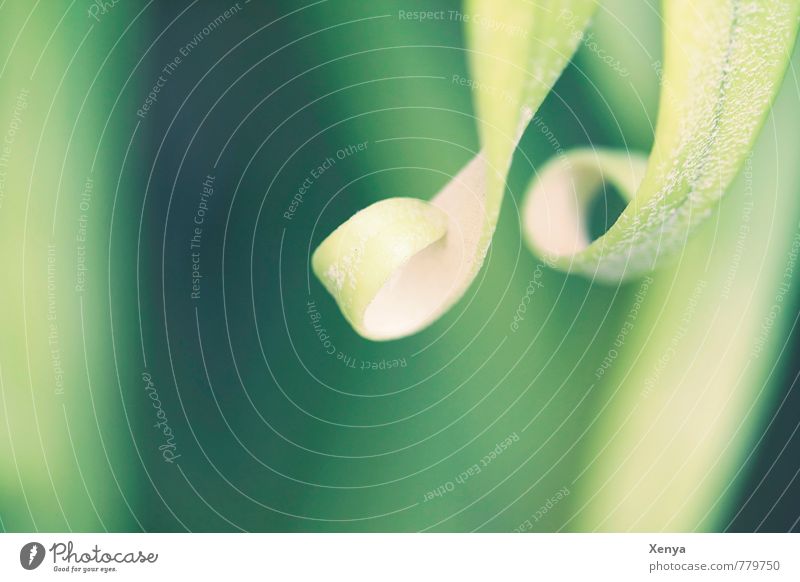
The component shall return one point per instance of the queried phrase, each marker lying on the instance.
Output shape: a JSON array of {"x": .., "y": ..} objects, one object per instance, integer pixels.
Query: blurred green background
[{"x": 169, "y": 363}]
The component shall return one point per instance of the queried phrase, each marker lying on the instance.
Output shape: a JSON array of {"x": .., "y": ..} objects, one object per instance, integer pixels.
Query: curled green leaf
[
  {"x": 398, "y": 265},
  {"x": 724, "y": 62}
]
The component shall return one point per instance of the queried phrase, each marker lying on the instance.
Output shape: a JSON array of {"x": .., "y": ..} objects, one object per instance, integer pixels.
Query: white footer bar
[{"x": 388, "y": 557}]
